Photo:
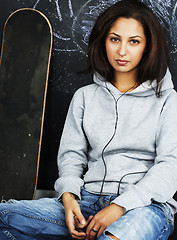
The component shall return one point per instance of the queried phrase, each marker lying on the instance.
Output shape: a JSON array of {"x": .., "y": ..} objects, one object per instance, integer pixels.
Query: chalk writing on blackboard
[
  {"x": 80, "y": 21},
  {"x": 72, "y": 20}
]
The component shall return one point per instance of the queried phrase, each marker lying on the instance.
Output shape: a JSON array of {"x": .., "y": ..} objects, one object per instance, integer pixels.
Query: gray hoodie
[{"x": 138, "y": 133}]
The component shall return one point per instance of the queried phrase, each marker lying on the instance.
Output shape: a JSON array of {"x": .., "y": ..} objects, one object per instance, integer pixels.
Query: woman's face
[{"x": 125, "y": 45}]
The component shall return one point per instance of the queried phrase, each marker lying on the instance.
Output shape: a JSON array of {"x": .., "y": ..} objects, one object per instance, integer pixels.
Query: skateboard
[{"x": 24, "y": 70}]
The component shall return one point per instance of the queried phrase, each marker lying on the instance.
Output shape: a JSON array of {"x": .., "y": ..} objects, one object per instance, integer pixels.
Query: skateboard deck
[{"x": 24, "y": 69}]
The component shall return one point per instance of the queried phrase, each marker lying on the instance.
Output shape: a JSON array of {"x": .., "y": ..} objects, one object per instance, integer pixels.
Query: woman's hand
[
  {"x": 82, "y": 227},
  {"x": 73, "y": 212},
  {"x": 102, "y": 220}
]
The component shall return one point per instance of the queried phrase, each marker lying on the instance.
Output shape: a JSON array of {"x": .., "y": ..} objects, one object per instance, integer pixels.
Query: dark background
[{"x": 72, "y": 21}]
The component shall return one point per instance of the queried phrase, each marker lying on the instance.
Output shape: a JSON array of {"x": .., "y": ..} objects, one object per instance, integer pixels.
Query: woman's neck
[{"x": 125, "y": 81}]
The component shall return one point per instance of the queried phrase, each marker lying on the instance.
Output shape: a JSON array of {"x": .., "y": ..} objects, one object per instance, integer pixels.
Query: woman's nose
[{"x": 122, "y": 49}]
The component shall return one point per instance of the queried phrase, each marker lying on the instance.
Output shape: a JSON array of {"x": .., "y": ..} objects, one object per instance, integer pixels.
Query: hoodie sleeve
[
  {"x": 72, "y": 157},
  {"x": 160, "y": 182}
]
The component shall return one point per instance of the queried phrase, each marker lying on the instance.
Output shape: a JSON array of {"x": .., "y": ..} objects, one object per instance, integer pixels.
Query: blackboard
[{"x": 72, "y": 21}]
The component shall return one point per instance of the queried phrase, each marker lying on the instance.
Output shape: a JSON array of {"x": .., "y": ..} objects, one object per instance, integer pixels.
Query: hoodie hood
[{"x": 145, "y": 89}]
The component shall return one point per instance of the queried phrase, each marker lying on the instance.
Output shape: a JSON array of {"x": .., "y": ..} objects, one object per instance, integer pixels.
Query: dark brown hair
[{"x": 154, "y": 62}]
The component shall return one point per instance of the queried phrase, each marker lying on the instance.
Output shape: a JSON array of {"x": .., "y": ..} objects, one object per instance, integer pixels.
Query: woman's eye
[
  {"x": 114, "y": 39},
  {"x": 133, "y": 41}
]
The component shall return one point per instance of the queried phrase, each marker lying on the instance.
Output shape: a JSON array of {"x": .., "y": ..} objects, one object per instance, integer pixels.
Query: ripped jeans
[{"x": 45, "y": 219}]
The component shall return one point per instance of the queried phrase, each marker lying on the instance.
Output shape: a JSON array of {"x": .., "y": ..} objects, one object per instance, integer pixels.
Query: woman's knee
[
  {"x": 111, "y": 236},
  {"x": 107, "y": 236}
]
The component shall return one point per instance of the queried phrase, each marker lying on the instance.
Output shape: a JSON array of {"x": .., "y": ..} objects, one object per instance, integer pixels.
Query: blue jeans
[{"x": 45, "y": 219}]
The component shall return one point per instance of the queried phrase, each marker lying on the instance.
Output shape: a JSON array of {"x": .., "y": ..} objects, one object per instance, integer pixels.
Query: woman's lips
[{"x": 122, "y": 62}]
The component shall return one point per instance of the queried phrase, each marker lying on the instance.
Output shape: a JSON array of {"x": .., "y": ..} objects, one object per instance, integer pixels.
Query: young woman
[{"x": 118, "y": 153}]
